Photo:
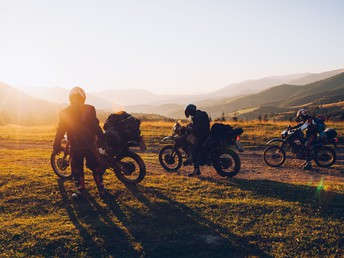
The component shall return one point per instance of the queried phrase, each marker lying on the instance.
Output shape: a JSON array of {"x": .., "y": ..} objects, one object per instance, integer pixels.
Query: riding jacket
[
  {"x": 201, "y": 125},
  {"x": 82, "y": 127}
]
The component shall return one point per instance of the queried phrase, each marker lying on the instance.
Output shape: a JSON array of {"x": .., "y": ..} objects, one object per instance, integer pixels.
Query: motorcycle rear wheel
[
  {"x": 325, "y": 157},
  {"x": 61, "y": 165},
  {"x": 226, "y": 163},
  {"x": 129, "y": 168},
  {"x": 170, "y": 162},
  {"x": 274, "y": 156}
]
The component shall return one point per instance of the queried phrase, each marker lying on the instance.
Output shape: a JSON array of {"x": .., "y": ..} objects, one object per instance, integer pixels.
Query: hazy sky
[{"x": 166, "y": 46}]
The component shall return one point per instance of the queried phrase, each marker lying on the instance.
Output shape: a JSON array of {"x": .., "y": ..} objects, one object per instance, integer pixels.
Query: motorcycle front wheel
[
  {"x": 170, "y": 160},
  {"x": 325, "y": 157},
  {"x": 129, "y": 168},
  {"x": 226, "y": 163},
  {"x": 61, "y": 165},
  {"x": 274, "y": 156}
]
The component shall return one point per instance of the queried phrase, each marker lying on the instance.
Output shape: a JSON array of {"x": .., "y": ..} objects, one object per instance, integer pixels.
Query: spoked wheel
[
  {"x": 227, "y": 163},
  {"x": 170, "y": 160},
  {"x": 129, "y": 168},
  {"x": 325, "y": 157},
  {"x": 274, "y": 156},
  {"x": 61, "y": 164}
]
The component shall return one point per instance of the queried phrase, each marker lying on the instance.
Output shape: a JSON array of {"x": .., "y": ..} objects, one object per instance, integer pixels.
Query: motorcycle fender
[
  {"x": 239, "y": 146},
  {"x": 142, "y": 145},
  {"x": 167, "y": 138},
  {"x": 275, "y": 140}
]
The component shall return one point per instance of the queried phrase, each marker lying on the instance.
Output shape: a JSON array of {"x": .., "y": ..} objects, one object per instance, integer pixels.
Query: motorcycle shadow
[{"x": 168, "y": 228}]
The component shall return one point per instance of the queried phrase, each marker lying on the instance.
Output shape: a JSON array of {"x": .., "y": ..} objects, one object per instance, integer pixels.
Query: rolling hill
[
  {"x": 60, "y": 95},
  {"x": 20, "y": 108},
  {"x": 135, "y": 99},
  {"x": 17, "y": 107},
  {"x": 314, "y": 77},
  {"x": 228, "y": 98},
  {"x": 285, "y": 97}
]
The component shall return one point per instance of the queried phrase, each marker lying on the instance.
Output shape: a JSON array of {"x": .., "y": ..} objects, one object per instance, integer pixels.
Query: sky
[{"x": 165, "y": 46}]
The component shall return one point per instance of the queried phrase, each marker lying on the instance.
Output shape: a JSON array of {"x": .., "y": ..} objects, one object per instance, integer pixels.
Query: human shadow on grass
[
  {"x": 100, "y": 235},
  {"x": 328, "y": 203},
  {"x": 168, "y": 228}
]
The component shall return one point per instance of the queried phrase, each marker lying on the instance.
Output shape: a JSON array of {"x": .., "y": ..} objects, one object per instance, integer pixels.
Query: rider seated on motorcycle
[
  {"x": 307, "y": 123},
  {"x": 201, "y": 130},
  {"x": 81, "y": 124}
]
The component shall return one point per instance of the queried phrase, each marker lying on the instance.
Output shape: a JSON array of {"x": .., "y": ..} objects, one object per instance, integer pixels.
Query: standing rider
[
  {"x": 201, "y": 130},
  {"x": 81, "y": 124},
  {"x": 308, "y": 123}
]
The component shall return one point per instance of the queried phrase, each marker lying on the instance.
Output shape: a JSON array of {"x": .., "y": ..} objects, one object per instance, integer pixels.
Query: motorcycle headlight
[{"x": 284, "y": 134}]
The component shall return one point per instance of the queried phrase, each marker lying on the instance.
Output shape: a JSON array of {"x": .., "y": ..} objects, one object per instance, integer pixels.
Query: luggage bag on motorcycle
[
  {"x": 330, "y": 133},
  {"x": 114, "y": 141},
  {"x": 219, "y": 130},
  {"x": 127, "y": 125},
  {"x": 120, "y": 128}
]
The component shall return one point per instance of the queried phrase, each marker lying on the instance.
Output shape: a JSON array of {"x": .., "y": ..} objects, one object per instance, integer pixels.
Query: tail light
[
  {"x": 335, "y": 139},
  {"x": 238, "y": 138}
]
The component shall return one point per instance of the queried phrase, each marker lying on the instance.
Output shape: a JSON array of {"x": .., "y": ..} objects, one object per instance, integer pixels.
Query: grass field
[{"x": 262, "y": 212}]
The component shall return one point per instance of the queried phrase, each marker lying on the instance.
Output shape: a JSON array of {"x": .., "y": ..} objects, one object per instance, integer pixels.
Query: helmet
[
  {"x": 190, "y": 110},
  {"x": 302, "y": 114},
  {"x": 77, "y": 95}
]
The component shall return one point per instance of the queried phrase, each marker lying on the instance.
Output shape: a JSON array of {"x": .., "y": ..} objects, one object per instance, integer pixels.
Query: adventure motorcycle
[
  {"x": 293, "y": 139},
  {"x": 127, "y": 165},
  {"x": 216, "y": 151}
]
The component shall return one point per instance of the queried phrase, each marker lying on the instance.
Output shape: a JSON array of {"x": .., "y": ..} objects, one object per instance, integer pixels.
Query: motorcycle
[
  {"x": 216, "y": 151},
  {"x": 293, "y": 139},
  {"x": 127, "y": 165}
]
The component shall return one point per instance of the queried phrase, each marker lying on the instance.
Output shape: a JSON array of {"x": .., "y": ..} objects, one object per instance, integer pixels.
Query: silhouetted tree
[
  {"x": 235, "y": 116},
  {"x": 223, "y": 119},
  {"x": 259, "y": 118}
]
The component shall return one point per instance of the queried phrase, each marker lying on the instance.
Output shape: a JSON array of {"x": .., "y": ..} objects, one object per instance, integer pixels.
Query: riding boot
[
  {"x": 98, "y": 179},
  {"x": 80, "y": 188}
]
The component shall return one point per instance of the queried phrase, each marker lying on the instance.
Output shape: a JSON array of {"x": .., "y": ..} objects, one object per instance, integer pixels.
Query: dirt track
[{"x": 253, "y": 167}]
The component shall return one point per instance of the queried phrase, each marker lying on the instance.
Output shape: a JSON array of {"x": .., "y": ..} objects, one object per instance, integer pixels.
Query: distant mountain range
[
  {"x": 275, "y": 94},
  {"x": 229, "y": 103},
  {"x": 135, "y": 98},
  {"x": 284, "y": 97},
  {"x": 16, "y": 107}
]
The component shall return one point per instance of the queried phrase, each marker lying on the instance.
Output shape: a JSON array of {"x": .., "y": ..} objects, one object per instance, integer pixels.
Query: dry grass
[{"x": 260, "y": 213}]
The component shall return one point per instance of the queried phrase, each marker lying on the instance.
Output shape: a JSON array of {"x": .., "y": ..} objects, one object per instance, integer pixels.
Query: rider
[
  {"x": 201, "y": 130},
  {"x": 81, "y": 124},
  {"x": 308, "y": 123}
]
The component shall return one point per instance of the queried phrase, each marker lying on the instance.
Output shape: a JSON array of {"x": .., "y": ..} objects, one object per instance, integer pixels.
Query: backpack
[{"x": 320, "y": 124}]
